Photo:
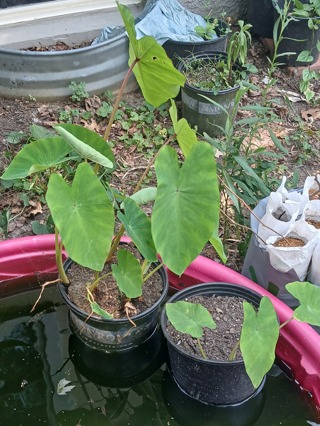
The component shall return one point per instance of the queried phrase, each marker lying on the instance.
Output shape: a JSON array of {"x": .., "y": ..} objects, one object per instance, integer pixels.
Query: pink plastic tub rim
[{"x": 298, "y": 347}]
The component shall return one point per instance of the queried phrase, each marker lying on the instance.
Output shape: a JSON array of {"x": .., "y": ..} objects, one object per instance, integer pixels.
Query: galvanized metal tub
[{"x": 47, "y": 75}]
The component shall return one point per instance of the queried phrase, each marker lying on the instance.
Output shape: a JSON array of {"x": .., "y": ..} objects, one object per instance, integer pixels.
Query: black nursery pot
[
  {"x": 199, "y": 111},
  {"x": 180, "y": 49},
  {"x": 260, "y": 16},
  {"x": 212, "y": 382},
  {"x": 297, "y": 37},
  {"x": 114, "y": 334}
]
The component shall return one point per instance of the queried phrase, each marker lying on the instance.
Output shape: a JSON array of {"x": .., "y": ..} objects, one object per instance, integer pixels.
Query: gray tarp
[{"x": 164, "y": 20}]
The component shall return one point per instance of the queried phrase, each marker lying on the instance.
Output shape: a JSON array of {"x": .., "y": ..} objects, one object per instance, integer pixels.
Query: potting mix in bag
[{"x": 291, "y": 216}]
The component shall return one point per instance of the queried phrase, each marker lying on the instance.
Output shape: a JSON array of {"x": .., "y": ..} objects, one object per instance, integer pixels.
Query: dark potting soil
[
  {"x": 217, "y": 344},
  {"x": 107, "y": 294}
]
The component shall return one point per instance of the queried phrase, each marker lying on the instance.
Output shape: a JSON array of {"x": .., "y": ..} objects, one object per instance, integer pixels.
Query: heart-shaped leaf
[
  {"x": 186, "y": 136},
  {"x": 259, "y": 336},
  {"x": 189, "y": 318},
  {"x": 186, "y": 210},
  {"x": 37, "y": 156},
  {"x": 309, "y": 297},
  {"x": 83, "y": 215},
  {"x": 99, "y": 311},
  {"x": 217, "y": 244},
  {"x": 138, "y": 227},
  {"x": 144, "y": 196},
  {"x": 158, "y": 79},
  {"x": 128, "y": 274},
  {"x": 88, "y": 144}
]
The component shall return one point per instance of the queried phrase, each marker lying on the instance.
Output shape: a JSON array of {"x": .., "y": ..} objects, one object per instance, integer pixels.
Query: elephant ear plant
[
  {"x": 186, "y": 200},
  {"x": 260, "y": 329}
]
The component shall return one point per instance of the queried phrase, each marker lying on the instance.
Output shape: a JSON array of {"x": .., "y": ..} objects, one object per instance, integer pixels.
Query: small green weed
[{"x": 79, "y": 92}]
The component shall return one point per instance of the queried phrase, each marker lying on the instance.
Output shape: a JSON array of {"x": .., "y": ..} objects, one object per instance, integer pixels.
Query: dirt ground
[{"x": 16, "y": 115}]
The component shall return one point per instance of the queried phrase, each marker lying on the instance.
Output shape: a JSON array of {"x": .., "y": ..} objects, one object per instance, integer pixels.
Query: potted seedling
[
  {"x": 300, "y": 43},
  {"x": 184, "y": 215},
  {"x": 212, "y": 82},
  {"x": 219, "y": 350}
]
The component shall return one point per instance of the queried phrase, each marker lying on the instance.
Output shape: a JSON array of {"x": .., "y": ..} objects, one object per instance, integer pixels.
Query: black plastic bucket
[
  {"x": 297, "y": 37},
  {"x": 260, "y": 16},
  {"x": 199, "y": 111},
  {"x": 211, "y": 382},
  {"x": 114, "y": 334},
  {"x": 180, "y": 49}
]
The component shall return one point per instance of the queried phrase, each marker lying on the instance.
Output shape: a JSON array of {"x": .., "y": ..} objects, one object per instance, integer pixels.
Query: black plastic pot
[
  {"x": 185, "y": 409},
  {"x": 199, "y": 111},
  {"x": 297, "y": 37},
  {"x": 119, "y": 369},
  {"x": 260, "y": 16},
  {"x": 115, "y": 334},
  {"x": 210, "y": 381},
  {"x": 180, "y": 49}
]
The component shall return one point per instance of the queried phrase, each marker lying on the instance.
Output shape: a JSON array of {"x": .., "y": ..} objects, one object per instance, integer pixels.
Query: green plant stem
[
  {"x": 153, "y": 271},
  {"x": 115, "y": 243},
  {"x": 138, "y": 185},
  {"x": 232, "y": 355},
  {"x": 145, "y": 266},
  {"x": 58, "y": 247},
  {"x": 118, "y": 100},
  {"x": 201, "y": 349},
  {"x": 286, "y": 322},
  {"x": 95, "y": 283},
  {"x": 120, "y": 233}
]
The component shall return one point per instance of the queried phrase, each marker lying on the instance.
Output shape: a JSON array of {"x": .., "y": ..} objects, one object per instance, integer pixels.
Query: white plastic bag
[
  {"x": 314, "y": 274},
  {"x": 279, "y": 218},
  {"x": 284, "y": 259}
]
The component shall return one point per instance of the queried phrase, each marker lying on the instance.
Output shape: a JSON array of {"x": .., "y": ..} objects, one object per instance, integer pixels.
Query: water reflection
[{"x": 133, "y": 388}]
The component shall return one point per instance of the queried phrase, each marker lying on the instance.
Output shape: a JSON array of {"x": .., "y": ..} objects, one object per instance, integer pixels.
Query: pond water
[{"x": 38, "y": 350}]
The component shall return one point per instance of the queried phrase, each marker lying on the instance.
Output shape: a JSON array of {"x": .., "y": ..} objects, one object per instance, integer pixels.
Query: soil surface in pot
[
  {"x": 107, "y": 294},
  {"x": 211, "y": 75},
  {"x": 289, "y": 242},
  {"x": 217, "y": 344}
]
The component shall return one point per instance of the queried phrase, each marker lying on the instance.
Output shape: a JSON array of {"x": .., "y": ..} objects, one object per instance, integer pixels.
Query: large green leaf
[
  {"x": 128, "y": 274},
  {"x": 83, "y": 215},
  {"x": 259, "y": 336},
  {"x": 309, "y": 297},
  {"x": 186, "y": 210},
  {"x": 145, "y": 195},
  {"x": 186, "y": 136},
  {"x": 91, "y": 138},
  {"x": 129, "y": 23},
  {"x": 87, "y": 143},
  {"x": 217, "y": 244},
  {"x": 138, "y": 227},
  {"x": 189, "y": 317},
  {"x": 37, "y": 156},
  {"x": 158, "y": 79}
]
